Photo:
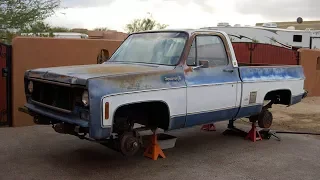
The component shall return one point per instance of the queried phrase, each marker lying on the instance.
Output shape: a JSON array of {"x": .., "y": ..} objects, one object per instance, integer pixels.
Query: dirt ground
[
  {"x": 37, "y": 152},
  {"x": 301, "y": 117},
  {"x": 304, "y": 116}
]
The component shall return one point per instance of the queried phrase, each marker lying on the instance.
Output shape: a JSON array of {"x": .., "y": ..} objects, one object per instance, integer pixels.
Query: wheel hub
[
  {"x": 129, "y": 144},
  {"x": 265, "y": 119}
]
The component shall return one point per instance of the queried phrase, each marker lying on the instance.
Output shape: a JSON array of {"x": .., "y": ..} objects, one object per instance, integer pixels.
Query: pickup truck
[{"x": 167, "y": 80}]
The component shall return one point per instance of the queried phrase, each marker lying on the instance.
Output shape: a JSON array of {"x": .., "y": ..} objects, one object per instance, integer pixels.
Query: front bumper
[
  {"x": 63, "y": 117},
  {"x": 94, "y": 125}
]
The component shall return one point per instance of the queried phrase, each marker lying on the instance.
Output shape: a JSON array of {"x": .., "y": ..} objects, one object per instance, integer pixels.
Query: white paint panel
[
  {"x": 211, "y": 97},
  {"x": 175, "y": 98},
  {"x": 262, "y": 88}
]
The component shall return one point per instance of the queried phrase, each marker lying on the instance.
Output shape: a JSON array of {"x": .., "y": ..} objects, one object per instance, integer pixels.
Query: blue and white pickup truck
[{"x": 168, "y": 79}]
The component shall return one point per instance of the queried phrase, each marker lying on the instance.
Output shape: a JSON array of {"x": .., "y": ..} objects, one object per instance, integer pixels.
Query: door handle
[{"x": 228, "y": 70}]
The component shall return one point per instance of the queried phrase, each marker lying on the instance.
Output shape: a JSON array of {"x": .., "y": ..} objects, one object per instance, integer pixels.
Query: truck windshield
[{"x": 163, "y": 48}]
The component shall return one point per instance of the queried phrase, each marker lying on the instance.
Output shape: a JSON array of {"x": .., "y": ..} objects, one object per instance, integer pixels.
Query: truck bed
[
  {"x": 261, "y": 80},
  {"x": 271, "y": 73}
]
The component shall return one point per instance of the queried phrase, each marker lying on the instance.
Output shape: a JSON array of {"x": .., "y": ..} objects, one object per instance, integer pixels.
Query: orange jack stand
[
  {"x": 209, "y": 127},
  {"x": 154, "y": 150},
  {"x": 253, "y": 134}
]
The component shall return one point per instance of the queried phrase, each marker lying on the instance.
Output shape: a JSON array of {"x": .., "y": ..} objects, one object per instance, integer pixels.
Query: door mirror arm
[
  {"x": 202, "y": 64},
  {"x": 197, "y": 67}
]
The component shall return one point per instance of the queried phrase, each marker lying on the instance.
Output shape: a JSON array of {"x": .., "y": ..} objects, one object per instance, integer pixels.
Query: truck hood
[{"x": 80, "y": 74}]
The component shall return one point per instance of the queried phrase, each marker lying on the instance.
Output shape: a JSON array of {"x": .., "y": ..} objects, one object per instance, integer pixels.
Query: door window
[{"x": 210, "y": 48}]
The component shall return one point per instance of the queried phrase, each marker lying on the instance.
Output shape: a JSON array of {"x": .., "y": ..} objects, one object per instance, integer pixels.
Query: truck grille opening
[{"x": 55, "y": 95}]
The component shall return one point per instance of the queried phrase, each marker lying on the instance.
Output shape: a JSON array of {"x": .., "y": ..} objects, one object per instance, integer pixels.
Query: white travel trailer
[
  {"x": 69, "y": 35},
  {"x": 269, "y": 35}
]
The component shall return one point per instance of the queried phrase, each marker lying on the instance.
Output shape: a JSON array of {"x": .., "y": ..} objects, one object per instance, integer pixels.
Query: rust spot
[
  {"x": 136, "y": 81},
  {"x": 188, "y": 69},
  {"x": 116, "y": 69}
]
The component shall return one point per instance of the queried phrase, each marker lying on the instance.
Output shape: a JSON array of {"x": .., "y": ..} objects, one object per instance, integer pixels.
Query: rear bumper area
[
  {"x": 305, "y": 94},
  {"x": 296, "y": 99},
  {"x": 63, "y": 117}
]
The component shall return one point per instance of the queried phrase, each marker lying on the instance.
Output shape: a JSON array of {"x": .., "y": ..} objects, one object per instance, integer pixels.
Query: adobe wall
[
  {"x": 310, "y": 60},
  {"x": 30, "y": 53}
]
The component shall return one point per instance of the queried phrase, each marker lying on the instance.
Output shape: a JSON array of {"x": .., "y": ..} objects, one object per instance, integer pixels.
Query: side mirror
[
  {"x": 204, "y": 63},
  {"x": 103, "y": 56}
]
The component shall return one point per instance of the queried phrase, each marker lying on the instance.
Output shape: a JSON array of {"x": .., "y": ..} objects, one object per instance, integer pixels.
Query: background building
[
  {"x": 303, "y": 26},
  {"x": 109, "y": 34}
]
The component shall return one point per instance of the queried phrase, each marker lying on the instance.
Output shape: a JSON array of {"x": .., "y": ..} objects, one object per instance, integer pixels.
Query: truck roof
[{"x": 189, "y": 31}]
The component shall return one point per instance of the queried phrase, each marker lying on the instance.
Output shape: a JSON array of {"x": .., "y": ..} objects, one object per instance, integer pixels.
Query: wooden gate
[
  {"x": 5, "y": 85},
  {"x": 256, "y": 53}
]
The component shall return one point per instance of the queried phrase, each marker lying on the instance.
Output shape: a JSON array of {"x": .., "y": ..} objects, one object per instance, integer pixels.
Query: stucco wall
[
  {"x": 310, "y": 60},
  {"x": 30, "y": 53}
]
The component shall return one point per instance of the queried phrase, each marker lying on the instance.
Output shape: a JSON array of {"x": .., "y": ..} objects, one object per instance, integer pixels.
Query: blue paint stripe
[
  {"x": 212, "y": 76},
  {"x": 177, "y": 122},
  {"x": 190, "y": 120},
  {"x": 249, "y": 74},
  {"x": 249, "y": 110},
  {"x": 209, "y": 117},
  {"x": 296, "y": 99}
]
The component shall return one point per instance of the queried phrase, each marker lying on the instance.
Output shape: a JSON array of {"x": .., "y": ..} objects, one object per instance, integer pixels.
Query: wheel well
[
  {"x": 284, "y": 96},
  {"x": 153, "y": 114}
]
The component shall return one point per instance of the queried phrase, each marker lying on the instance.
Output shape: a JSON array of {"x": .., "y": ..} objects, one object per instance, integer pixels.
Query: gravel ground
[
  {"x": 304, "y": 116},
  {"x": 38, "y": 152}
]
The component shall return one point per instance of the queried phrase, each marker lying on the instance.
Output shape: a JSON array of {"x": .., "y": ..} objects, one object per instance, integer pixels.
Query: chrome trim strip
[
  {"x": 255, "y": 81},
  {"x": 254, "y": 104},
  {"x": 199, "y": 112},
  {"x": 215, "y": 84},
  {"x": 270, "y": 66},
  {"x": 147, "y": 90},
  {"x": 178, "y": 115},
  {"x": 51, "y": 107}
]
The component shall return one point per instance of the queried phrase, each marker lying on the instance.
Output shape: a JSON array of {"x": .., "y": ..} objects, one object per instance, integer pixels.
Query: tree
[
  {"x": 16, "y": 15},
  {"x": 42, "y": 29},
  {"x": 144, "y": 24},
  {"x": 60, "y": 29},
  {"x": 101, "y": 29},
  {"x": 79, "y": 30},
  {"x": 37, "y": 27}
]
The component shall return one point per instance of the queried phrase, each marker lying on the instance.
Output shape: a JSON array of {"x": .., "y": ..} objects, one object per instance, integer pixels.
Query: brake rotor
[
  {"x": 129, "y": 144},
  {"x": 265, "y": 119}
]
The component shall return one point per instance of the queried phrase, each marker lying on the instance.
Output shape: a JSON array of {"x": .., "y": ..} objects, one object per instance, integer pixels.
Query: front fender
[{"x": 167, "y": 86}]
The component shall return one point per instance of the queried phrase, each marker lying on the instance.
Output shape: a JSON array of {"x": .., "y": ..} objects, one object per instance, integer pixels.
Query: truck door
[{"x": 211, "y": 91}]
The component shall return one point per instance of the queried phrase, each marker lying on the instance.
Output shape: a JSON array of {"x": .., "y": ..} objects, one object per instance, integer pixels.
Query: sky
[{"x": 115, "y": 14}]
